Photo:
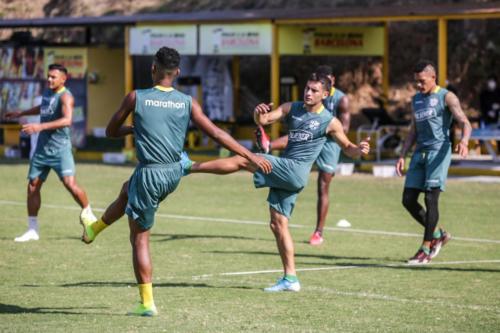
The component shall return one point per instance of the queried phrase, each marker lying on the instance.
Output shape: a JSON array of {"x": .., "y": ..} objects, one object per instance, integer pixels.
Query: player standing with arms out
[
  {"x": 338, "y": 105},
  {"x": 433, "y": 110},
  {"x": 309, "y": 124},
  {"x": 53, "y": 149},
  {"x": 161, "y": 119}
]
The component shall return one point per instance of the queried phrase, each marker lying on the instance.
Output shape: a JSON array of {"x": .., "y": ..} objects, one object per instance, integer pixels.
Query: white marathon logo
[
  {"x": 425, "y": 114},
  {"x": 165, "y": 104},
  {"x": 300, "y": 136}
]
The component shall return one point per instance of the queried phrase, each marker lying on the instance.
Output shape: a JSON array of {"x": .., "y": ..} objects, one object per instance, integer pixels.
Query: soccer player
[
  {"x": 433, "y": 110},
  {"x": 161, "y": 118},
  {"x": 309, "y": 124},
  {"x": 338, "y": 105},
  {"x": 53, "y": 149}
]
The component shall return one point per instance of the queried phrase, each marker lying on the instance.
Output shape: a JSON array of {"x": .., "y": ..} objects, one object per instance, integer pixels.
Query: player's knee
[
  {"x": 432, "y": 198},
  {"x": 409, "y": 199}
]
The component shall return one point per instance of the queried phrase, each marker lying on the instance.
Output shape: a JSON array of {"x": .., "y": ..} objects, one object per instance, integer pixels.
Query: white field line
[
  {"x": 253, "y": 222},
  {"x": 332, "y": 268}
]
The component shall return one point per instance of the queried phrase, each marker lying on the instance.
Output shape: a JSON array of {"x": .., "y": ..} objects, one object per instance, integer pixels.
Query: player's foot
[
  {"x": 420, "y": 258},
  {"x": 186, "y": 163},
  {"x": 141, "y": 310},
  {"x": 86, "y": 220},
  {"x": 438, "y": 243},
  {"x": 284, "y": 285},
  {"x": 262, "y": 140},
  {"x": 316, "y": 238},
  {"x": 30, "y": 235}
]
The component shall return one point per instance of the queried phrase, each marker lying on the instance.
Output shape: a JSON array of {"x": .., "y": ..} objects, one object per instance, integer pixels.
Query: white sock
[{"x": 33, "y": 223}]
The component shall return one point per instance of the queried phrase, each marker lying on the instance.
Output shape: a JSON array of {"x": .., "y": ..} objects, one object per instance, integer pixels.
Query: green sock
[
  {"x": 437, "y": 233},
  {"x": 426, "y": 250},
  {"x": 291, "y": 278}
]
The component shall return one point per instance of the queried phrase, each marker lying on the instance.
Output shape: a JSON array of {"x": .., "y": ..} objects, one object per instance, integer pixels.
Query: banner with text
[
  {"x": 235, "y": 39},
  {"x": 328, "y": 40},
  {"x": 146, "y": 40},
  {"x": 73, "y": 58}
]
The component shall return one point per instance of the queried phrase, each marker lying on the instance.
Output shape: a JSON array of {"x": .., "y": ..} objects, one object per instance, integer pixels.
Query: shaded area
[
  {"x": 297, "y": 255},
  {"x": 169, "y": 237},
  {"x": 11, "y": 308},
  {"x": 93, "y": 284}
]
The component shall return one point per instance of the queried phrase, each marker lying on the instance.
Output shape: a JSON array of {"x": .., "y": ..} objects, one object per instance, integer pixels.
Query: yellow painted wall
[{"x": 105, "y": 96}]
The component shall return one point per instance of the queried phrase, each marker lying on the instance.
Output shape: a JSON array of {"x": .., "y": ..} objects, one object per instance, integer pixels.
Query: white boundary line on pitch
[
  {"x": 253, "y": 222},
  {"x": 332, "y": 268}
]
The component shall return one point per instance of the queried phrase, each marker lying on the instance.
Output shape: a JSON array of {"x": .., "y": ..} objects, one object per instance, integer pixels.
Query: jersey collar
[
  {"x": 436, "y": 89},
  {"x": 162, "y": 88},
  {"x": 332, "y": 91},
  {"x": 317, "y": 111},
  {"x": 60, "y": 90}
]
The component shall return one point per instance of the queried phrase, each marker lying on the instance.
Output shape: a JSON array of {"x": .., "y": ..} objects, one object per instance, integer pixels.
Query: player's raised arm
[
  {"x": 462, "y": 148},
  {"x": 409, "y": 141},
  {"x": 67, "y": 104},
  {"x": 208, "y": 127},
  {"x": 115, "y": 128},
  {"x": 264, "y": 115},
  {"x": 336, "y": 131}
]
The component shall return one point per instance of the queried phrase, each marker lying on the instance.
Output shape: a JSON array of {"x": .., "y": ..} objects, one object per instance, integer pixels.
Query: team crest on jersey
[
  {"x": 433, "y": 101},
  {"x": 313, "y": 124},
  {"x": 299, "y": 136}
]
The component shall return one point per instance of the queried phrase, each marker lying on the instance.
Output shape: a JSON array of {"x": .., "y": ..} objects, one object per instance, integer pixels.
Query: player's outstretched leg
[
  {"x": 34, "y": 201},
  {"x": 143, "y": 269},
  {"x": 284, "y": 241},
  {"x": 113, "y": 213}
]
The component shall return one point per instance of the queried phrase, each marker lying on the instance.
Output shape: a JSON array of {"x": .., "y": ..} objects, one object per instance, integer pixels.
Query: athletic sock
[
  {"x": 426, "y": 250},
  {"x": 291, "y": 278},
  {"x": 98, "y": 226},
  {"x": 146, "y": 293},
  {"x": 33, "y": 223},
  {"x": 437, "y": 233}
]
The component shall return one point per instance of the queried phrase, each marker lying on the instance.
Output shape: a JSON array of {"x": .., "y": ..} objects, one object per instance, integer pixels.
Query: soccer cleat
[
  {"x": 438, "y": 243},
  {"x": 142, "y": 311},
  {"x": 316, "y": 238},
  {"x": 86, "y": 220},
  {"x": 262, "y": 140},
  {"x": 419, "y": 258},
  {"x": 186, "y": 163},
  {"x": 30, "y": 235},
  {"x": 284, "y": 285}
]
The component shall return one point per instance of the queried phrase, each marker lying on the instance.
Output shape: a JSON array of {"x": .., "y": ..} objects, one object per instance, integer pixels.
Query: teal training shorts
[
  {"x": 62, "y": 162},
  {"x": 286, "y": 180},
  {"x": 429, "y": 169},
  {"x": 148, "y": 186},
  {"x": 329, "y": 156}
]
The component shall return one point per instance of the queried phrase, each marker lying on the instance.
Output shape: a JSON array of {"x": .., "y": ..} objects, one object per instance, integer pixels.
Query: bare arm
[
  {"x": 462, "y": 148},
  {"x": 16, "y": 114},
  {"x": 67, "y": 104},
  {"x": 224, "y": 139},
  {"x": 115, "y": 128},
  {"x": 264, "y": 116},
  {"x": 409, "y": 141},
  {"x": 336, "y": 131},
  {"x": 343, "y": 113}
]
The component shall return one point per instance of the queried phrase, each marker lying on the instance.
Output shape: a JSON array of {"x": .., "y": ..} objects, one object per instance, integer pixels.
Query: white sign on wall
[{"x": 146, "y": 40}]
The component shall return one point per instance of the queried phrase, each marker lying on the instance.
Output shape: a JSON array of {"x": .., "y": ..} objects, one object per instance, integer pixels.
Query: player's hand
[
  {"x": 462, "y": 149},
  {"x": 400, "y": 166},
  {"x": 31, "y": 128},
  {"x": 12, "y": 115},
  {"x": 263, "y": 108},
  {"x": 364, "y": 146},
  {"x": 262, "y": 163}
]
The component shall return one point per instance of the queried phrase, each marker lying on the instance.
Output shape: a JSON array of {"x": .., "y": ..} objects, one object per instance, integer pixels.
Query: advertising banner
[
  {"x": 74, "y": 59},
  {"x": 146, "y": 40}
]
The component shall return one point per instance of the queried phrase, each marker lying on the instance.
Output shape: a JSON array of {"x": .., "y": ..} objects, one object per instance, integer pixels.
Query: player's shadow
[
  {"x": 174, "y": 237},
  {"x": 11, "y": 308},
  {"x": 92, "y": 284},
  {"x": 297, "y": 255},
  {"x": 404, "y": 266}
]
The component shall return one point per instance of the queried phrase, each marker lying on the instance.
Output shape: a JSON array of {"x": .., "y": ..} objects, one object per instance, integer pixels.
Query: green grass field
[{"x": 356, "y": 281}]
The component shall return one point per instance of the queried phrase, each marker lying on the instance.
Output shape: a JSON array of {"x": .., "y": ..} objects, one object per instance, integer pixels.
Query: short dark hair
[
  {"x": 324, "y": 69},
  {"x": 422, "y": 65},
  {"x": 58, "y": 67},
  {"x": 320, "y": 77},
  {"x": 167, "y": 58}
]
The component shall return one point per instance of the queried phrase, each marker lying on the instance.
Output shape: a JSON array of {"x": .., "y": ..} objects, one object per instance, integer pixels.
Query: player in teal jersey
[
  {"x": 309, "y": 124},
  {"x": 161, "y": 118},
  {"x": 338, "y": 105},
  {"x": 53, "y": 150},
  {"x": 433, "y": 110}
]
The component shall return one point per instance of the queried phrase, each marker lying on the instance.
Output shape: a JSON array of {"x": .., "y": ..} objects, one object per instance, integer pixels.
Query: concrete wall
[{"x": 105, "y": 96}]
